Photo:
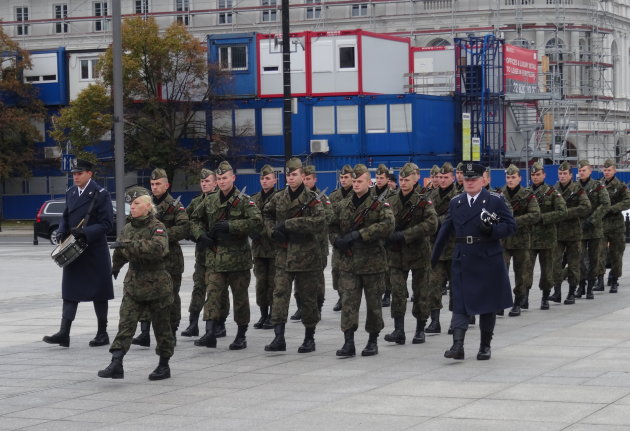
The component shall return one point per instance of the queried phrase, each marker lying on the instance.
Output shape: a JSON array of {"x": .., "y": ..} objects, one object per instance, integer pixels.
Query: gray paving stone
[
  {"x": 609, "y": 415},
  {"x": 467, "y": 424}
]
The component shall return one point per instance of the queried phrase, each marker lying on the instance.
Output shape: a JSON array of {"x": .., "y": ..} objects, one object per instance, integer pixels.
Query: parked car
[{"x": 49, "y": 216}]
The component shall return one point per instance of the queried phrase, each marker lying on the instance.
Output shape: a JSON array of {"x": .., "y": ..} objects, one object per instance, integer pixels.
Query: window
[
  {"x": 101, "y": 9},
  {"x": 225, "y": 17},
  {"x": 271, "y": 121},
  {"x": 347, "y": 119},
  {"x": 183, "y": 6},
  {"x": 376, "y": 118},
  {"x": 233, "y": 57},
  {"x": 269, "y": 15},
  {"x": 43, "y": 68},
  {"x": 60, "y": 11},
  {"x": 346, "y": 57},
  {"x": 142, "y": 6},
  {"x": 400, "y": 118},
  {"x": 314, "y": 12},
  {"x": 88, "y": 69},
  {"x": 245, "y": 122},
  {"x": 323, "y": 120},
  {"x": 360, "y": 9},
  {"x": 21, "y": 15}
]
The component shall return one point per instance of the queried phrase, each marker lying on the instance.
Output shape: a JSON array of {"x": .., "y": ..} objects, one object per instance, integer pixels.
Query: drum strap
[{"x": 85, "y": 219}]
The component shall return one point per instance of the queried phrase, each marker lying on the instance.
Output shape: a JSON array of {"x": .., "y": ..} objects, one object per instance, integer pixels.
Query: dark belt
[
  {"x": 146, "y": 267},
  {"x": 472, "y": 239}
]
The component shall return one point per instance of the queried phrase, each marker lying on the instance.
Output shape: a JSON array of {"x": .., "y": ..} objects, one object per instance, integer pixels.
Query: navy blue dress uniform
[
  {"x": 480, "y": 282},
  {"x": 89, "y": 277}
]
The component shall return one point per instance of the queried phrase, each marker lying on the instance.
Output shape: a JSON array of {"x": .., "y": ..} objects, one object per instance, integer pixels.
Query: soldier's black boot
[
  {"x": 163, "y": 371},
  {"x": 174, "y": 327},
  {"x": 609, "y": 281},
  {"x": 557, "y": 294},
  {"x": 348, "y": 346},
  {"x": 589, "y": 289},
  {"x": 308, "y": 345},
  {"x": 457, "y": 349},
  {"x": 419, "y": 337},
  {"x": 62, "y": 337},
  {"x": 144, "y": 339},
  {"x": 544, "y": 302},
  {"x": 193, "y": 327},
  {"x": 337, "y": 306},
  {"x": 472, "y": 319},
  {"x": 209, "y": 339},
  {"x": 387, "y": 301},
  {"x": 580, "y": 291},
  {"x": 277, "y": 344},
  {"x": 219, "y": 329},
  {"x": 614, "y": 285},
  {"x": 525, "y": 302},
  {"x": 570, "y": 296},
  {"x": 240, "y": 342},
  {"x": 599, "y": 286},
  {"x": 516, "y": 308},
  {"x": 101, "y": 338},
  {"x": 264, "y": 313},
  {"x": 484, "y": 346},
  {"x": 434, "y": 327},
  {"x": 398, "y": 335},
  {"x": 297, "y": 315},
  {"x": 115, "y": 368},
  {"x": 268, "y": 324},
  {"x": 371, "y": 348}
]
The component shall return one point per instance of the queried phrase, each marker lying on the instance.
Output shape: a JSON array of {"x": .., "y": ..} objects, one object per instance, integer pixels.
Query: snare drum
[{"x": 67, "y": 252}]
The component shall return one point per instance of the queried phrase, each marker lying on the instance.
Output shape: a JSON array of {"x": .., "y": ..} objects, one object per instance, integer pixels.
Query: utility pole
[
  {"x": 119, "y": 140},
  {"x": 286, "y": 81}
]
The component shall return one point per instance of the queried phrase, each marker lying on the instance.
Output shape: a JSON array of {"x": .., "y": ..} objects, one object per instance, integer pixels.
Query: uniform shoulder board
[
  {"x": 102, "y": 190},
  {"x": 550, "y": 191},
  {"x": 495, "y": 194}
]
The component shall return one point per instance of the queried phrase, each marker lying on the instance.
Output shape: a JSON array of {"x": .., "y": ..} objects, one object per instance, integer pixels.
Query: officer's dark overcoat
[
  {"x": 89, "y": 278},
  {"x": 480, "y": 282}
]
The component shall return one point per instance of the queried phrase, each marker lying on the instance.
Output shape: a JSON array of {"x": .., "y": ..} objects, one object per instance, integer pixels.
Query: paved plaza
[{"x": 563, "y": 369}]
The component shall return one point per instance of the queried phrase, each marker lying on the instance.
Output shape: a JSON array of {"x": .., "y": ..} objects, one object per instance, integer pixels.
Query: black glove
[
  {"x": 396, "y": 236},
  {"x": 221, "y": 226},
  {"x": 340, "y": 243},
  {"x": 352, "y": 236},
  {"x": 279, "y": 235},
  {"x": 61, "y": 237},
  {"x": 204, "y": 241},
  {"x": 485, "y": 229},
  {"x": 587, "y": 224},
  {"x": 115, "y": 274},
  {"x": 118, "y": 244},
  {"x": 78, "y": 234}
]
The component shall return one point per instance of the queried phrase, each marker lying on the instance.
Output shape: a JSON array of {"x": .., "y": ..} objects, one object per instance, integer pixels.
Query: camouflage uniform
[
  {"x": 569, "y": 232},
  {"x": 544, "y": 233},
  {"x": 592, "y": 230},
  {"x": 147, "y": 286},
  {"x": 388, "y": 193},
  {"x": 459, "y": 187},
  {"x": 411, "y": 253},
  {"x": 517, "y": 247}
]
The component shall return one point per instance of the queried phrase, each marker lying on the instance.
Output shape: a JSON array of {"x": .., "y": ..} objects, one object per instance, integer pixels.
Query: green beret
[
  {"x": 536, "y": 167},
  {"x": 446, "y": 168},
  {"x": 158, "y": 173},
  {"x": 512, "y": 170},
  {"x": 346, "y": 169},
  {"x": 408, "y": 169},
  {"x": 292, "y": 164},
  {"x": 382, "y": 169},
  {"x": 583, "y": 163},
  {"x": 223, "y": 168},
  {"x": 460, "y": 167},
  {"x": 266, "y": 170},
  {"x": 135, "y": 192},
  {"x": 609, "y": 163},
  {"x": 434, "y": 170},
  {"x": 564, "y": 166},
  {"x": 205, "y": 173},
  {"x": 310, "y": 170},
  {"x": 359, "y": 170}
]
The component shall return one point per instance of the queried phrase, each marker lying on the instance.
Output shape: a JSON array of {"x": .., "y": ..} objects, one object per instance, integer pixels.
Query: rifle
[
  {"x": 310, "y": 204},
  {"x": 404, "y": 221},
  {"x": 226, "y": 213},
  {"x": 170, "y": 208},
  {"x": 359, "y": 219}
]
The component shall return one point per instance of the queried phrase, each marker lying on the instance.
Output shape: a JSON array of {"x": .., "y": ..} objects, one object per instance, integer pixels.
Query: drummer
[{"x": 88, "y": 217}]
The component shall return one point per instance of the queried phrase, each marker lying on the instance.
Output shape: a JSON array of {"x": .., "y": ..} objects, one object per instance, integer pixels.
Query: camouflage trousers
[
  {"x": 218, "y": 283},
  {"x": 335, "y": 278},
  {"x": 438, "y": 278},
  {"x": 352, "y": 287},
  {"x": 545, "y": 258},
  {"x": 198, "y": 296},
  {"x": 265, "y": 272},
  {"x": 523, "y": 270},
  {"x": 307, "y": 289},
  {"x": 420, "y": 288},
  {"x": 131, "y": 312},
  {"x": 175, "y": 309},
  {"x": 590, "y": 258},
  {"x": 321, "y": 292},
  {"x": 614, "y": 244},
  {"x": 571, "y": 250}
]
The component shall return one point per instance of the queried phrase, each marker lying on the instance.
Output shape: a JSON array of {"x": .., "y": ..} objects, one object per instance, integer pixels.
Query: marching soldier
[
  {"x": 380, "y": 187},
  {"x": 517, "y": 247},
  {"x": 345, "y": 183},
  {"x": 144, "y": 244},
  {"x": 544, "y": 233},
  {"x": 294, "y": 218},
  {"x": 459, "y": 177},
  {"x": 569, "y": 234},
  {"x": 408, "y": 250},
  {"x": 592, "y": 227},
  {"x": 432, "y": 184},
  {"x": 208, "y": 184},
  {"x": 391, "y": 182},
  {"x": 614, "y": 227},
  {"x": 174, "y": 217},
  {"x": 222, "y": 225},
  {"x": 360, "y": 225},
  {"x": 441, "y": 198},
  {"x": 263, "y": 251}
]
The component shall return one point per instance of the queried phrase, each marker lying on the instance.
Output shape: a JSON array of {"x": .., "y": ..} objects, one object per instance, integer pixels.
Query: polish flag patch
[
  {"x": 159, "y": 230},
  {"x": 252, "y": 203}
]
